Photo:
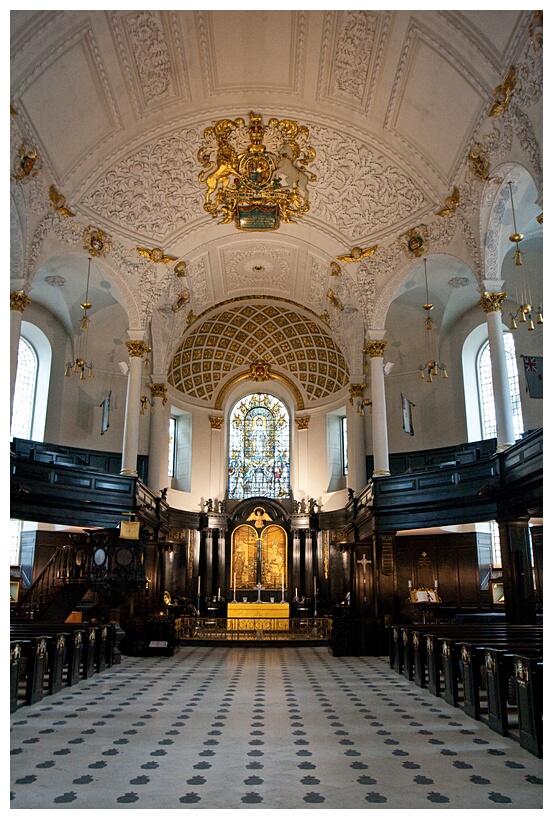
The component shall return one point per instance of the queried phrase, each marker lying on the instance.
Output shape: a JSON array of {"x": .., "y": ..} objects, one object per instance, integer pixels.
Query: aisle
[{"x": 245, "y": 728}]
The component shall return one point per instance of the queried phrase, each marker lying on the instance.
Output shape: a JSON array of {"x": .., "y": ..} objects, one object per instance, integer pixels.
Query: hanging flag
[
  {"x": 533, "y": 369},
  {"x": 406, "y": 412}
]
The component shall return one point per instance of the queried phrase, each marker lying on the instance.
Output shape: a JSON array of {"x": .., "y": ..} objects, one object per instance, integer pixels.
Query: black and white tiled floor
[{"x": 253, "y": 728}]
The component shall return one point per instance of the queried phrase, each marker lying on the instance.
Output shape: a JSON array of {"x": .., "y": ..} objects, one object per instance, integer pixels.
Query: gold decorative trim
[
  {"x": 415, "y": 242},
  {"x": 180, "y": 267},
  {"x": 58, "y": 203},
  {"x": 182, "y": 300},
  {"x": 159, "y": 391},
  {"x": 19, "y": 300},
  {"x": 451, "y": 204},
  {"x": 375, "y": 349},
  {"x": 156, "y": 255},
  {"x": 96, "y": 241},
  {"x": 216, "y": 421},
  {"x": 250, "y": 184},
  {"x": 247, "y": 374},
  {"x": 260, "y": 371},
  {"x": 137, "y": 349},
  {"x": 27, "y": 162},
  {"x": 302, "y": 421},
  {"x": 503, "y": 93},
  {"x": 357, "y": 254},
  {"x": 356, "y": 391},
  {"x": 335, "y": 269},
  {"x": 333, "y": 299},
  {"x": 492, "y": 302}
]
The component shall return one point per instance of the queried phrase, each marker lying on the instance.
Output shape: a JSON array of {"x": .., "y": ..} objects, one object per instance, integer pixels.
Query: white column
[
  {"x": 129, "y": 455},
  {"x": 217, "y": 488},
  {"x": 505, "y": 431},
  {"x": 357, "y": 463},
  {"x": 301, "y": 455},
  {"x": 18, "y": 302},
  {"x": 158, "y": 449},
  {"x": 375, "y": 350}
]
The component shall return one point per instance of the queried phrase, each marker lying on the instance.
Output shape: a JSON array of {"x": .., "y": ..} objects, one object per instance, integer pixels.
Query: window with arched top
[
  {"x": 25, "y": 390},
  {"x": 485, "y": 386},
  {"x": 259, "y": 448}
]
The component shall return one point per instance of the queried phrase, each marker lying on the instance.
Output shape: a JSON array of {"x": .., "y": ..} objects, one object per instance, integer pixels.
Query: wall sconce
[
  {"x": 361, "y": 404},
  {"x": 144, "y": 402}
]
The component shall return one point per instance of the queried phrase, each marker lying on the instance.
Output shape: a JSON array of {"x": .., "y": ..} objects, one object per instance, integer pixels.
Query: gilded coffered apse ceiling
[{"x": 116, "y": 105}]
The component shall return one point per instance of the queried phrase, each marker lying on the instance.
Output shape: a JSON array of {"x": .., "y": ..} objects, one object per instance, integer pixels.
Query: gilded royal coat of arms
[{"x": 256, "y": 174}]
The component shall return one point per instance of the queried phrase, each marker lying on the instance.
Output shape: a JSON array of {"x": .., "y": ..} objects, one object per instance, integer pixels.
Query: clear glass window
[
  {"x": 25, "y": 390},
  {"x": 487, "y": 406}
]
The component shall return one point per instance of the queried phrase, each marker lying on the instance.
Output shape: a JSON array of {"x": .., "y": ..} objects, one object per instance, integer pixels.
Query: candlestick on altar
[
  {"x": 282, "y": 599},
  {"x": 234, "y": 595}
]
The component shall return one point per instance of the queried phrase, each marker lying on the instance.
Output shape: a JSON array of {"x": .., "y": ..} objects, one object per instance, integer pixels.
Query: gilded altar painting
[
  {"x": 244, "y": 557},
  {"x": 259, "y": 557},
  {"x": 274, "y": 557}
]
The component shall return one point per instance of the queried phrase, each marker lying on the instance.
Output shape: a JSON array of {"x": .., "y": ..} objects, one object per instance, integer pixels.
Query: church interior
[{"x": 276, "y": 380}]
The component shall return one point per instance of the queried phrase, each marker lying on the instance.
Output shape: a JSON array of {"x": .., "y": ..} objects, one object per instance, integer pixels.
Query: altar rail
[{"x": 253, "y": 628}]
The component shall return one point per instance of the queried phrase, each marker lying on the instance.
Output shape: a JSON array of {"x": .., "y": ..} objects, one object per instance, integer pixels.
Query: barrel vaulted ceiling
[{"x": 116, "y": 104}]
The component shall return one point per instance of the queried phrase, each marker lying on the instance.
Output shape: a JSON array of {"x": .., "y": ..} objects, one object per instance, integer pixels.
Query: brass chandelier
[
  {"x": 525, "y": 310},
  {"x": 432, "y": 367},
  {"x": 79, "y": 365}
]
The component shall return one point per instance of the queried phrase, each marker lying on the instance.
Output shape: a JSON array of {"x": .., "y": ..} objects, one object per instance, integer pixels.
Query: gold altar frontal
[{"x": 258, "y": 616}]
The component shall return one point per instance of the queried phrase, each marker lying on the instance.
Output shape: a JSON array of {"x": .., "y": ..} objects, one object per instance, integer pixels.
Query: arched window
[
  {"x": 259, "y": 448},
  {"x": 25, "y": 390},
  {"x": 487, "y": 407}
]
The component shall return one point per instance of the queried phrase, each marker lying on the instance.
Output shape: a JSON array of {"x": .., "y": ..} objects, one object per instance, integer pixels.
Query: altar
[{"x": 258, "y": 616}]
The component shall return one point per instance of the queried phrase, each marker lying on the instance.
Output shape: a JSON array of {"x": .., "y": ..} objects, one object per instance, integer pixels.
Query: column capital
[
  {"x": 159, "y": 391},
  {"x": 375, "y": 349},
  {"x": 216, "y": 421},
  {"x": 356, "y": 391},
  {"x": 19, "y": 300},
  {"x": 302, "y": 421},
  {"x": 137, "y": 349},
  {"x": 492, "y": 302}
]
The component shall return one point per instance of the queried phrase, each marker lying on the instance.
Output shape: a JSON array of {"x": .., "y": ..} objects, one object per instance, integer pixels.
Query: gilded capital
[
  {"x": 19, "y": 300},
  {"x": 216, "y": 421},
  {"x": 159, "y": 391},
  {"x": 375, "y": 349},
  {"x": 137, "y": 348},
  {"x": 356, "y": 391},
  {"x": 492, "y": 302},
  {"x": 302, "y": 421}
]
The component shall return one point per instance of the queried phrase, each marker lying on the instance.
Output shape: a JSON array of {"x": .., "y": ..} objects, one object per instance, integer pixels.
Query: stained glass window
[{"x": 259, "y": 448}]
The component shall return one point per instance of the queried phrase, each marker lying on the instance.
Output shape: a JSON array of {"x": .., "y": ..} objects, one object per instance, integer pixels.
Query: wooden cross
[{"x": 364, "y": 563}]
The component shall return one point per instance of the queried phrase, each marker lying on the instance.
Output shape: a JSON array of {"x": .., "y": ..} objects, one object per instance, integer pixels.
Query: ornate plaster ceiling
[
  {"x": 116, "y": 103},
  {"x": 223, "y": 345}
]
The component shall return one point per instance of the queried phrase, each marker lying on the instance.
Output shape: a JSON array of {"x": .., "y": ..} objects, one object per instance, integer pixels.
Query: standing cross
[
  {"x": 259, "y": 587},
  {"x": 364, "y": 563}
]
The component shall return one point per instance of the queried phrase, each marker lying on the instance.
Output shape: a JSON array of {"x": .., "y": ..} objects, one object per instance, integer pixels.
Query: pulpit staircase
[{"x": 59, "y": 588}]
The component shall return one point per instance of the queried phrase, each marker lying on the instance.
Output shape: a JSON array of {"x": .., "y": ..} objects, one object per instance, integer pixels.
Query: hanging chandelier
[
  {"x": 432, "y": 367},
  {"x": 79, "y": 365},
  {"x": 524, "y": 298}
]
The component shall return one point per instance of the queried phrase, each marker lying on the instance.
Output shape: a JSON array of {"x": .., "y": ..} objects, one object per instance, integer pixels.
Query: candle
[
  {"x": 296, "y": 592},
  {"x": 283, "y": 582},
  {"x": 219, "y": 594},
  {"x": 315, "y": 585},
  {"x": 198, "y": 586},
  {"x": 235, "y": 584},
  {"x": 408, "y": 584},
  {"x": 435, "y": 584}
]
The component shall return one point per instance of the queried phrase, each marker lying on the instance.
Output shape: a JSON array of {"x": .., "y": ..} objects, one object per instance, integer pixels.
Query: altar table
[{"x": 254, "y": 616}]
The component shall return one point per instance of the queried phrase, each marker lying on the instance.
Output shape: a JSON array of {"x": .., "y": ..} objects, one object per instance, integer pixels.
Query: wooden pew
[
  {"x": 529, "y": 682},
  {"x": 54, "y": 654}
]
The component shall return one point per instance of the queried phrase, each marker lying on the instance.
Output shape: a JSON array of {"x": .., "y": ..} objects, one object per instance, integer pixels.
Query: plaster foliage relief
[
  {"x": 155, "y": 190},
  {"x": 354, "y": 46},
  {"x": 16, "y": 244},
  {"x": 198, "y": 275},
  {"x": 318, "y": 276},
  {"x": 150, "y": 54},
  {"x": 350, "y": 177},
  {"x": 260, "y": 265}
]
